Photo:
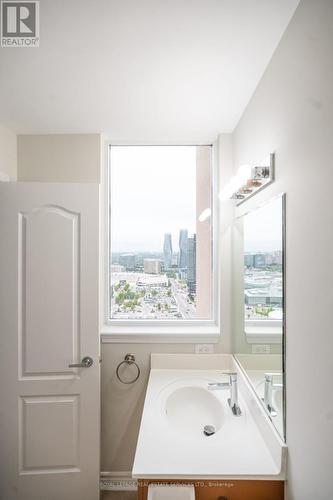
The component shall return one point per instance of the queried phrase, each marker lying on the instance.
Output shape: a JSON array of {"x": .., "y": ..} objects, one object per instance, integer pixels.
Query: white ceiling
[{"x": 141, "y": 70}]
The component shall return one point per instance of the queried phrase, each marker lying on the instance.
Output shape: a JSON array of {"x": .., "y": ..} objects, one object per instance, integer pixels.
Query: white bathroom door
[{"x": 49, "y": 411}]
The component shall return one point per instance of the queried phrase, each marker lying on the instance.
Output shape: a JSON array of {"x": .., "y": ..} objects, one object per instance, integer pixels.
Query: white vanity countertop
[{"x": 245, "y": 447}]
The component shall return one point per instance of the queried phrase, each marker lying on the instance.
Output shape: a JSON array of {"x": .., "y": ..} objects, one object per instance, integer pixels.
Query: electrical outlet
[
  {"x": 261, "y": 349},
  {"x": 204, "y": 348}
]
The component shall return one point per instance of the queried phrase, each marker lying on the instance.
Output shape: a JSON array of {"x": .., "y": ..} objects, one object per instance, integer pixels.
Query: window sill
[
  {"x": 269, "y": 334},
  {"x": 159, "y": 334}
]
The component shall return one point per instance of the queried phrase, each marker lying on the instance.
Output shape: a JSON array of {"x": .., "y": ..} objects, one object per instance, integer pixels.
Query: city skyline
[
  {"x": 150, "y": 295},
  {"x": 181, "y": 250},
  {"x": 175, "y": 250},
  {"x": 160, "y": 286}
]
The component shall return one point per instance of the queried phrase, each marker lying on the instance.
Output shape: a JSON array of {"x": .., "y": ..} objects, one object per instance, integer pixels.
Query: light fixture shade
[
  {"x": 249, "y": 180},
  {"x": 232, "y": 186},
  {"x": 244, "y": 173}
]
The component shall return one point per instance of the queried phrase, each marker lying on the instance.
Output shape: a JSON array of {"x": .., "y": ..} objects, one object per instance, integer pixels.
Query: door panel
[
  {"x": 49, "y": 251},
  {"x": 41, "y": 420},
  {"x": 50, "y": 413}
]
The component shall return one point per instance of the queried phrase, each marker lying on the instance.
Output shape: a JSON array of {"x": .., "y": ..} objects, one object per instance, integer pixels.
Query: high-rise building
[
  {"x": 152, "y": 266},
  {"x": 175, "y": 260},
  {"x": 128, "y": 261},
  {"x": 269, "y": 258},
  {"x": 191, "y": 264},
  {"x": 249, "y": 260},
  {"x": 167, "y": 251},
  {"x": 259, "y": 260},
  {"x": 278, "y": 257},
  {"x": 183, "y": 236}
]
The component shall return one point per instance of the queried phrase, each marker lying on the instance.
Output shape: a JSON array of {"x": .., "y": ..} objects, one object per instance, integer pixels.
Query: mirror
[{"x": 259, "y": 304}]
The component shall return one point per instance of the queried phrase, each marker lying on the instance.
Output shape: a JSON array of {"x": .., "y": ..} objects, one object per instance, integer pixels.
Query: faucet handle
[{"x": 269, "y": 376}]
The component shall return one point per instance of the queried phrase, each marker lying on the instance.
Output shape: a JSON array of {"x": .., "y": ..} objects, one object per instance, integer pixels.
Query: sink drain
[{"x": 209, "y": 430}]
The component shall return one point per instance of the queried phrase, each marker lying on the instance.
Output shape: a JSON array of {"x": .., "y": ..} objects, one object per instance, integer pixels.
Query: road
[{"x": 187, "y": 310}]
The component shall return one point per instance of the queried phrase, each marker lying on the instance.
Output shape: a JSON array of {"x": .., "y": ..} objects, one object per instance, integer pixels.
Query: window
[
  {"x": 263, "y": 266},
  {"x": 160, "y": 257}
]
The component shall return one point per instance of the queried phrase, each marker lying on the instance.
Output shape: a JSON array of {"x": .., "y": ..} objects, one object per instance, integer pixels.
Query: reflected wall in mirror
[{"x": 259, "y": 305}]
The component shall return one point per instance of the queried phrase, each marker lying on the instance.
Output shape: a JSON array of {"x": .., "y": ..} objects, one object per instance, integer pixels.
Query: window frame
[
  {"x": 164, "y": 331},
  {"x": 261, "y": 330}
]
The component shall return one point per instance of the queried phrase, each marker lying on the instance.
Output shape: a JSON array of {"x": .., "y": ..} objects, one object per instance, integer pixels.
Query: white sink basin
[{"x": 190, "y": 409}]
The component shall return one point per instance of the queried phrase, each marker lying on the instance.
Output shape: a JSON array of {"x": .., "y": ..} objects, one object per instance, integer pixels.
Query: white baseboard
[{"x": 117, "y": 481}]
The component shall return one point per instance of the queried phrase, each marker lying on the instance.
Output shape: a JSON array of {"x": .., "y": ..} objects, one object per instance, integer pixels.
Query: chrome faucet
[
  {"x": 268, "y": 393},
  {"x": 233, "y": 385}
]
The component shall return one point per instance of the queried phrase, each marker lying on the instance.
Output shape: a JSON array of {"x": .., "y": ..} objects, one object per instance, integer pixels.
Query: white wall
[
  {"x": 59, "y": 158},
  {"x": 8, "y": 153},
  {"x": 291, "y": 113}
]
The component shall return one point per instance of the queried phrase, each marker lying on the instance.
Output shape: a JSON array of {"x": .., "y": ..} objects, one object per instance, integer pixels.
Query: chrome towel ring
[{"x": 128, "y": 360}]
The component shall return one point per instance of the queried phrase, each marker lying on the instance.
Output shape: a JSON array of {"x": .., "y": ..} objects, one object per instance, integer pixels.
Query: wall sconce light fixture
[{"x": 249, "y": 181}]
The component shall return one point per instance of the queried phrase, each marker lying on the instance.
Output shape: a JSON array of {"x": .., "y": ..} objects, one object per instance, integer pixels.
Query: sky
[
  {"x": 153, "y": 192},
  {"x": 263, "y": 228}
]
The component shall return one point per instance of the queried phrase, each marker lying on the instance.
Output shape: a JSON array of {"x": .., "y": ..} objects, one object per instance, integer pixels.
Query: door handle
[{"x": 86, "y": 362}]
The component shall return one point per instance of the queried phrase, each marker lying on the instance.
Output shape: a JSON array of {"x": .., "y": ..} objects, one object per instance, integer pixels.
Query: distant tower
[
  {"x": 183, "y": 237},
  {"x": 167, "y": 251},
  {"x": 191, "y": 264}
]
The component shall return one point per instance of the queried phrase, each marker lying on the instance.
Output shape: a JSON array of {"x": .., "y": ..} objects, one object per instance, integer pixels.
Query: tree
[{"x": 120, "y": 298}]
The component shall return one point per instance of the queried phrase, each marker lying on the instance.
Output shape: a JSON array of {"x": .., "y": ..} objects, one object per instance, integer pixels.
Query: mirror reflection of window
[{"x": 263, "y": 259}]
